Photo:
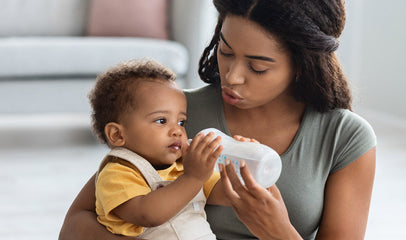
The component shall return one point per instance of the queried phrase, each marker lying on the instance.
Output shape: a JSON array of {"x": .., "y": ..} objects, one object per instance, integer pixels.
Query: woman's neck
[{"x": 273, "y": 124}]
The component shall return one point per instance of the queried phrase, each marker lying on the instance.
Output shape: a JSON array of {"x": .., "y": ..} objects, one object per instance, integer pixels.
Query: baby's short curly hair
[{"x": 114, "y": 90}]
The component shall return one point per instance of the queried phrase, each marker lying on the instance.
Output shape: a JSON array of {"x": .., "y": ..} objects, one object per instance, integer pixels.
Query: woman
[{"x": 273, "y": 76}]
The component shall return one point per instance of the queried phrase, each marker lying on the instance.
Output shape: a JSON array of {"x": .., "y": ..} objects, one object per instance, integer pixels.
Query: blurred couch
[{"x": 49, "y": 58}]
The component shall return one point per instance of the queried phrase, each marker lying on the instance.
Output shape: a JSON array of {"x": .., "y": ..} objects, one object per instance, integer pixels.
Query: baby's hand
[
  {"x": 200, "y": 157},
  {"x": 244, "y": 139}
]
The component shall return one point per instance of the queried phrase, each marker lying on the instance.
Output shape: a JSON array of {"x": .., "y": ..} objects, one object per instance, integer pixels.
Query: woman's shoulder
[
  {"x": 203, "y": 100},
  {"x": 342, "y": 132},
  {"x": 339, "y": 117},
  {"x": 201, "y": 93},
  {"x": 204, "y": 109},
  {"x": 339, "y": 125}
]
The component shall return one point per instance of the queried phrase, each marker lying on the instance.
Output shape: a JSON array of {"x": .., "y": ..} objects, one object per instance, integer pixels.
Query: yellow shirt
[{"x": 120, "y": 181}]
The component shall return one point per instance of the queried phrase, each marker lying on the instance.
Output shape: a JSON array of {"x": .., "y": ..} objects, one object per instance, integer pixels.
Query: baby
[{"x": 151, "y": 184}]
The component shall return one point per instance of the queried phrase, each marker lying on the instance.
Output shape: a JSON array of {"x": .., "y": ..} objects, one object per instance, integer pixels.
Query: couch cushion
[
  {"x": 139, "y": 18},
  {"x": 67, "y": 56},
  {"x": 43, "y": 17}
]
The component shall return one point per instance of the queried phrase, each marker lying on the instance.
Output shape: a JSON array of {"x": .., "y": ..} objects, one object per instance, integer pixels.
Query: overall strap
[{"x": 147, "y": 170}]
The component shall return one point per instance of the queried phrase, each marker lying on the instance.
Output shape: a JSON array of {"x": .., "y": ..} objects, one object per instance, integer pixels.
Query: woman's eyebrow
[
  {"x": 222, "y": 38},
  {"x": 263, "y": 58}
]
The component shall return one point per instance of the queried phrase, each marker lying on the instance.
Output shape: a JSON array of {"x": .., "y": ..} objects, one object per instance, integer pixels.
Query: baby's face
[{"x": 155, "y": 129}]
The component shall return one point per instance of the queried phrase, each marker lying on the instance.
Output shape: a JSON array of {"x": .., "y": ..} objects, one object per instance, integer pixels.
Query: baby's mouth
[{"x": 176, "y": 146}]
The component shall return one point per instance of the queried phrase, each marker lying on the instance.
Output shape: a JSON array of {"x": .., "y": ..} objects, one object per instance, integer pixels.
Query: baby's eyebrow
[
  {"x": 163, "y": 112},
  {"x": 157, "y": 112}
]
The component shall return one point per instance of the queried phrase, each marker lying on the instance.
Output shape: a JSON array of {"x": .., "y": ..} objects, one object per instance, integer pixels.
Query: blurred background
[{"x": 51, "y": 51}]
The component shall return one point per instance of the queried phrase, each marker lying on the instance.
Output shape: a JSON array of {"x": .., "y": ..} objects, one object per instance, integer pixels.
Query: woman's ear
[{"x": 114, "y": 134}]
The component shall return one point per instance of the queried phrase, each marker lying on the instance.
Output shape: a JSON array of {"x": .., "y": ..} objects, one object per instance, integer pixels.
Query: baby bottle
[{"x": 263, "y": 162}]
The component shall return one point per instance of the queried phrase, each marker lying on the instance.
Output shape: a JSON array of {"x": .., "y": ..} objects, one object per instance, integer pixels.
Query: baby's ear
[{"x": 114, "y": 134}]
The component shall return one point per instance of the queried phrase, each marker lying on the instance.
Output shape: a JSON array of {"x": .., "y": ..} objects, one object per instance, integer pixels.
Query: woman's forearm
[
  {"x": 83, "y": 225},
  {"x": 80, "y": 221}
]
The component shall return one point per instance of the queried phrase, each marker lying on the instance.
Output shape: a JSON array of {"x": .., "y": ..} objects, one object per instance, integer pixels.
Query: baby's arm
[{"x": 159, "y": 206}]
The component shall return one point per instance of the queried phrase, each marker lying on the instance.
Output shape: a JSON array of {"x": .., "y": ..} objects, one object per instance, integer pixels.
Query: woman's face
[{"x": 254, "y": 68}]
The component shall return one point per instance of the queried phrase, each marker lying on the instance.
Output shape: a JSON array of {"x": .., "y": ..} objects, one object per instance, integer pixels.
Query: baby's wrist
[{"x": 192, "y": 179}]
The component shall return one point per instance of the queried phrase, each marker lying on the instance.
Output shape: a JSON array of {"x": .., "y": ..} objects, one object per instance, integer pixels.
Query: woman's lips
[{"x": 231, "y": 97}]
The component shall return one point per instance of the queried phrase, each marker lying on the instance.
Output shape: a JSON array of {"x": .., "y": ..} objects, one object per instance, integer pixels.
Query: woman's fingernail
[
  {"x": 227, "y": 161},
  {"x": 242, "y": 164}
]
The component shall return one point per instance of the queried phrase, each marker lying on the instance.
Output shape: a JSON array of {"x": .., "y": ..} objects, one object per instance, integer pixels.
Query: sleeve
[
  {"x": 355, "y": 138},
  {"x": 209, "y": 185},
  {"x": 117, "y": 184}
]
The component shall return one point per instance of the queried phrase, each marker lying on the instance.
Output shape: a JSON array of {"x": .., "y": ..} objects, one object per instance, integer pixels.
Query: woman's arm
[
  {"x": 347, "y": 199},
  {"x": 80, "y": 221},
  {"x": 261, "y": 210}
]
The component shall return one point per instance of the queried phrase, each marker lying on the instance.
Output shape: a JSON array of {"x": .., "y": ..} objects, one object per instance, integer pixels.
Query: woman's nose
[{"x": 235, "y": 74}]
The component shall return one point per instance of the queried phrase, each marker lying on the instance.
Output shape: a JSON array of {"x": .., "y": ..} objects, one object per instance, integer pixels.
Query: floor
[{"x": 44, "y": 165}]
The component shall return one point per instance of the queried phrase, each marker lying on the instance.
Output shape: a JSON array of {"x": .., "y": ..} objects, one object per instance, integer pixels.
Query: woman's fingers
[
  {"x": 252, "y": 185},
  {"x": 249, "y": 187},
  {"x": 244, "y": 139},
  {"x": 241, "y": 138},
  {"x": 274, "y": 191},
  {"x": 234, "y": 179},
  {"x": 243, "y": 192},
  {"x": 246, "y": 175},
  {"x": 228, "y": 188}
]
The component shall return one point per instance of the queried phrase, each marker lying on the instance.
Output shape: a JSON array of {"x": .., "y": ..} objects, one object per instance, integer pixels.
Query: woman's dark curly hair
[
  {"x": 114, "y": 91},
  {"x": 309, "y": 30}
]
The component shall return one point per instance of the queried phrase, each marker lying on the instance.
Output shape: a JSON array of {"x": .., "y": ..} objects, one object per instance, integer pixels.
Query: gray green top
[{"x": 324, "y": 143}]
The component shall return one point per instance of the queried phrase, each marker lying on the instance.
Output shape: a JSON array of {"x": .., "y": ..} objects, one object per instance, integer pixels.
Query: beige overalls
[{"x": 189, "y": 224}]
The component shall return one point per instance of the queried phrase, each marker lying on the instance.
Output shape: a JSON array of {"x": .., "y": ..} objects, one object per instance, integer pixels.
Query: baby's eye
[
  {"x": 161, "y": 121},
  {"x": 182, "y": 123}
]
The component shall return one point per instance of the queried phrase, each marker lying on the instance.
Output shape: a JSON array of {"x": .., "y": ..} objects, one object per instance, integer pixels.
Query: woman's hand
[
  {"x": 261, "y": 210},
  {"x": 244, "y": 139}
]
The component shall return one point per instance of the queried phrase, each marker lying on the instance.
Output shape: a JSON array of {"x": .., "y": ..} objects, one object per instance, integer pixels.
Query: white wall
[
  {"x": 200, "y": 31},
  {"x": 373, "y": 54}
]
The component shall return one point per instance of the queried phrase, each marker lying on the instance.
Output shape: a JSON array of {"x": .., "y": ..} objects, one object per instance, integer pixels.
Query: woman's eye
[
  {"x": 224, "y": 53},
  {"x": 161, "y": 121},
  {"x": 182, "y": 123},
  {"x": 256, "y": 71}
]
